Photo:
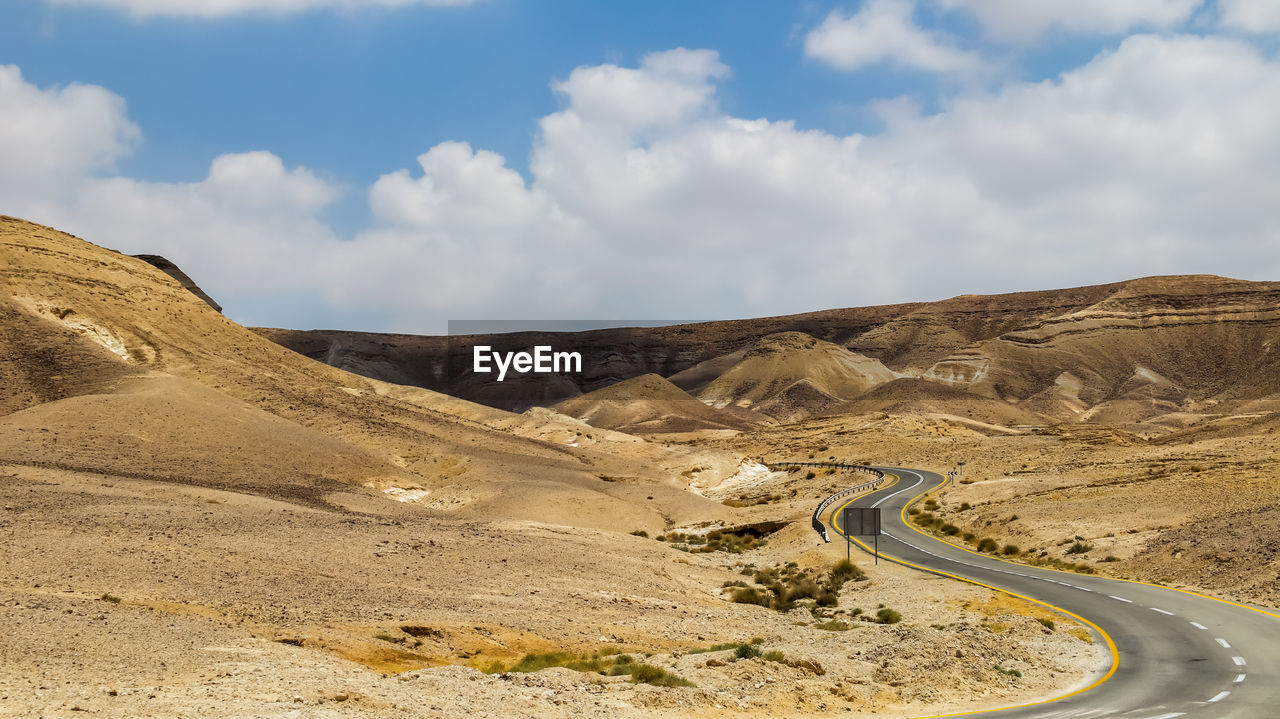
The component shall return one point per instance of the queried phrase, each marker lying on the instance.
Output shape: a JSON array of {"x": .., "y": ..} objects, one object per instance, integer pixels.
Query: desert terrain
[{"x": 200, "y": 519}]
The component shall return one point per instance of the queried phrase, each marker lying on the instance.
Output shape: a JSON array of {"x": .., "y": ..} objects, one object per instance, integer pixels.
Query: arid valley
[{"x": 203, "y": 519}]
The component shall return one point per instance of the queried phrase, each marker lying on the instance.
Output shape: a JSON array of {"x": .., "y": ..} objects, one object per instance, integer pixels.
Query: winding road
[{"x": 1173, "y": 653}]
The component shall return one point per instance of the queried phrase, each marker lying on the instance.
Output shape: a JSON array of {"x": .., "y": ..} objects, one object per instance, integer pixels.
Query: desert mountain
[
  {"x": 1151, "y": 354},
  {"x": 649, "y": 404},
  {"x": 107, "y": 363},
  {"x": 792, "y": 374},
  {"x": 1151, "y": 346}
]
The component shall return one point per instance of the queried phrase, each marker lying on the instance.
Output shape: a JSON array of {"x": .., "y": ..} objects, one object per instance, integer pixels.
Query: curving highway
[{"x": 1173, "y": 653}]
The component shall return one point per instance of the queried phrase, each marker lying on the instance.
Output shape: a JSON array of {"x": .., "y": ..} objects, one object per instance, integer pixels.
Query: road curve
[{"x": 1174, "y": 654}]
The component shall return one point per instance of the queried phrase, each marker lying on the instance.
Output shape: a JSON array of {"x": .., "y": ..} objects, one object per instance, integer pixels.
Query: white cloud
[
  {"x": 467, "y": 236},
  {"x": 1026, "y": 20},
  {"x": 1157, "y": 157},
  {"x": 251, "y": 226},
  {"x": 51, "y": 138},
  {"x": 669, "y": 88},
  {"x": 224, "y": 8},
  {"x": 1252, "y": 16},
  {"x": 883, "y": 31}
]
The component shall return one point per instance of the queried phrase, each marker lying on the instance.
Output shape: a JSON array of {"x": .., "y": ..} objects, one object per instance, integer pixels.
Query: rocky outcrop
[{"x": 167, "y": 267}]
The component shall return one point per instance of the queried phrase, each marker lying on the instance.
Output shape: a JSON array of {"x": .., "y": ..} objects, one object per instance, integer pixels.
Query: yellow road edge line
[
  {"x": 1111, "y": 645},
  {"x": 917, "y": 530}
]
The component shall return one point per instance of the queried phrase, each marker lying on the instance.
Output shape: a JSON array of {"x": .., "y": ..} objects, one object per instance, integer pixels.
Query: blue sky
[
  {"x": 346, "y": 95},
  {"x": 354, "y": 92}
]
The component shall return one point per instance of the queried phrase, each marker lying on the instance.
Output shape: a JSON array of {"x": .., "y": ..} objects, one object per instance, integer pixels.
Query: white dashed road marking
[{"x": 1239, "y": 661}]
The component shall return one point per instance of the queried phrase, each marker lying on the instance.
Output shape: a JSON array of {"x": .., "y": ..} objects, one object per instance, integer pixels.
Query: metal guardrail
[{"x": 818, "y": 526}]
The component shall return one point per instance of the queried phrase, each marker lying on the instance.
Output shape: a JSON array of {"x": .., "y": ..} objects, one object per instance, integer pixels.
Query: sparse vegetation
[
  {"x": 1048, "y": 623},
  {"x": 1010, "y": 550},
  {"x": 720, "y": 540},
  {"x": 1008, "y": 672},
  {"x": 987, "y": 544},
  {"x": 783, "y": 588},
  {"x": 752, "y": 501},
  {"x": 110, "y": 598},
  {"x": 717, "y": 648},
  {"x": 640, "y": 533},
  {"x": 604, "y": 662},
  {"x": 1080, "y": 548},
  {"x": 657, "y": 676},
  {"x": 746, "y": 651},
  {"x": 751, "y": 595},
  {"x": 888, "y": 616}
]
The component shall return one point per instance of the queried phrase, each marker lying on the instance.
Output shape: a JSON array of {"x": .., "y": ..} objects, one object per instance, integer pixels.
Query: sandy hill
[
  {"x": 910, "y": 395},
  {"x": 649, "y": 404},
  {"x": 792, "y": 374},
  {"x": 108, "y": 363}
]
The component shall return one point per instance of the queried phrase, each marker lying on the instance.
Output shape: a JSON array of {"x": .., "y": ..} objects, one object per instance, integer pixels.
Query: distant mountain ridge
[{"x": 1128, "y": 352}]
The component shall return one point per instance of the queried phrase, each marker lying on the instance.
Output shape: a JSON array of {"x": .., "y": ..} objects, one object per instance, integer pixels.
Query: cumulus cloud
[
  {"x": 51, "y": 138},
  {"x": 467, "y": 236},
  {"x": 884, "y": 31},
  {"x": 1155, "y": 157},
  {"x": 224, "y": 8},
  {"x": 1251, "y": 16},
  {"x": 1024, "y": 21},
  {"x": 251, "y": 225}
]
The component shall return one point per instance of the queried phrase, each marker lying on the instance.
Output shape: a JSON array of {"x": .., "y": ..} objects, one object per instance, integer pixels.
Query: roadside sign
[{"x": 860, "y": 522}]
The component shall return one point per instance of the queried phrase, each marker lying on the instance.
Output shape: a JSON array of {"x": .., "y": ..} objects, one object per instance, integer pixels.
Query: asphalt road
[{"x": 1175, "y": 654}]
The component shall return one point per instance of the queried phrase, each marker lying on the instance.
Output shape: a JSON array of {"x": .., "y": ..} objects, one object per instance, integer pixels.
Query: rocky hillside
[
  {"x": 110, "y": 365},
  {"x": 1151, "y": 354}
]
